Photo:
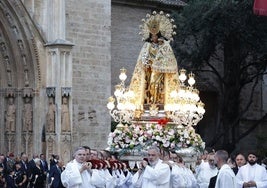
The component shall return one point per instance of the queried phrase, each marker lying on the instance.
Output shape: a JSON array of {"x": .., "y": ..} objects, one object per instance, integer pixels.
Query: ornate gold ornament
[
  {"x": 157, "y": 89},
  {"x": 158, "y": 22}
]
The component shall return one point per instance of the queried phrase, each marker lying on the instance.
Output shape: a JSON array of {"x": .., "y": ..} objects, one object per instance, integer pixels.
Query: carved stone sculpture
[
  {"x": 65, "y": 116},
  {"x": 50, "y": 116},
  {"x": 27, "y": 115},
  {"x": 50, "y": 145},
  {"x": 11, "y": 115}
]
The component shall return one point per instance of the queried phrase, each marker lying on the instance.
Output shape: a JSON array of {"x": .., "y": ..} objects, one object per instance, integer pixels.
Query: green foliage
[
  {"x": 261, "y": 146},
  {"x": 204, "y": 26},
  {"x": 225, "y": 38}
]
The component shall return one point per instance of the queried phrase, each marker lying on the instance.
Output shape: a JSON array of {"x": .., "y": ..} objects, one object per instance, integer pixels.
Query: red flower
[{"x": 163, "y": 121}]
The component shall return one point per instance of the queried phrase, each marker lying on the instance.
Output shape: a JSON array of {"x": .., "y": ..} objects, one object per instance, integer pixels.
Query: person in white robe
[
  {"x": 226, "y": 177},
  {"x": 191, "y": 180},
  {"x": 177, "y": 177},
  {"x": 153, "y": 172},
  {"x": 96, "y": 179},
  {"x": 181, "y": 176},
  {"x": 252, "y": 174},
  {"x": 125, "y": 177},
  {"x": 109, "y": 180},
  {"x": 206, "y": 171},
  {"x": 77, "y": 173}
]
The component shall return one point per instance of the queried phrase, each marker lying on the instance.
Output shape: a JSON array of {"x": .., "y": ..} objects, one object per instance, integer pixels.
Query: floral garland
[{"x": 139, "y": 136}]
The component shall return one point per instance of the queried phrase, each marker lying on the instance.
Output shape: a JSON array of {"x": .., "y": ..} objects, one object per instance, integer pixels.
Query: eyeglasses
[{"x": 81, "y": 154}]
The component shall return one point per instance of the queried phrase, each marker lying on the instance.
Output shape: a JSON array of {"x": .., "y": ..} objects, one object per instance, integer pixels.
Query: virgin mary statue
[{"x": 156, "y": 71}]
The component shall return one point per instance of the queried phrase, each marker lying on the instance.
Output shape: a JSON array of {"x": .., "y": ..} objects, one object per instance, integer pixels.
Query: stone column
[
  {"x": 59, "y": 63},
  {"x": 56, "y": 20},
  {"x": 50, "y": 16},
  {"x": 59, "y": 77},
  {"x": 29, "y": 130}
]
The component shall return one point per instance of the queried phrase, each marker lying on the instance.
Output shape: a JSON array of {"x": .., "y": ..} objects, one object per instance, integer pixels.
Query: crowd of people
[
  {"x": 22, "y": 172},
  {"x": 91, "y": 168}
]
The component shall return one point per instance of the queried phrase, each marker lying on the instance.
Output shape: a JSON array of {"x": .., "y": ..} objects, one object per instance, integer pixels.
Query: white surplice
[
  {"x": 125, "y": 179},
  {"x": 254, "y": 172},
  {"x": 72, "y": 178},
  {"x": 226, "y": 178},
  {"x": 96, "y": 178},
  {"x": 204, "y": 174},
  {"x": 178, "y": 178},
  {"x": 157, "y": 177},
  {"x": 182, "y": 177}
]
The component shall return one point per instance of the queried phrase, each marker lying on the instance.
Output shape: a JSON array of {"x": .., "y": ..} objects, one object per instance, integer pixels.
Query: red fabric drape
[{"x": 260, "y": 7}]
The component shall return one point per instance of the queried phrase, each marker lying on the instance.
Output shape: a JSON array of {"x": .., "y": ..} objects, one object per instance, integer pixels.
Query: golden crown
[{"x": 158, "y": 22}]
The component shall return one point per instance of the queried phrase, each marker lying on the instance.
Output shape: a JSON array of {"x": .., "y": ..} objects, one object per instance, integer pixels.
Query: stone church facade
[
  {"x": 59, "y": 61},
  {"x": 55, "y": 75}
]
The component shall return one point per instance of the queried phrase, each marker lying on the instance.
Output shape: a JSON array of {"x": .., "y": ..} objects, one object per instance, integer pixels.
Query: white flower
[
  {"x": 144, "y": 135},
  {"x": 158, "y": 138},
  {"x": 166, "y": 144},
  {"x": 171, "y": 132},
  {"x": 149, "y": 132},
  {"x": 127, "y": 140},
  {"x": 186, "y": 134}
]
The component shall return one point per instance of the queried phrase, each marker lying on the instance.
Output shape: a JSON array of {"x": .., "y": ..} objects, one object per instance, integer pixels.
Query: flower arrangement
[{"x": 138, "y": 136}]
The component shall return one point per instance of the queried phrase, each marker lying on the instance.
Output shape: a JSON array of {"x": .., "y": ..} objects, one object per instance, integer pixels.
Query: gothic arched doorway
[{"x": 21, "y": 93}]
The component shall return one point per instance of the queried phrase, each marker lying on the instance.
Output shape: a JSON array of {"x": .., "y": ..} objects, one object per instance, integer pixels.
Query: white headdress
[{"x": 158, "y": 22}]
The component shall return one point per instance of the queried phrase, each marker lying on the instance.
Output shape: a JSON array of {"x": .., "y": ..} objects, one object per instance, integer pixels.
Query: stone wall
[
  {"x": 88, "y": 27},
  {"x": 126, "y": 42}
]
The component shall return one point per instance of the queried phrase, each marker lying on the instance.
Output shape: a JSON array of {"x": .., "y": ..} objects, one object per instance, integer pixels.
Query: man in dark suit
[
  {"x": 31, "y": 166},
  {"x": 54, "y": 179},
  {"x": 212, "y": 182},
  {"x": 31, "y": 163},
  {"x": 10, "y": 182},
  {"x": 3, "y": 163},
  {"x": 44, "y": 164},
  {"x": 53, "y": 160},
  {"x": 25, "y": 167},
  {"x": 24, "y": 161},
  {"x": 240, "y": 160}
]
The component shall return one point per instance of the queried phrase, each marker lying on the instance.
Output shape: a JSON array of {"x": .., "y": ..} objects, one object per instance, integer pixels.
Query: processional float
[{"x": 161, "y": 105}]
